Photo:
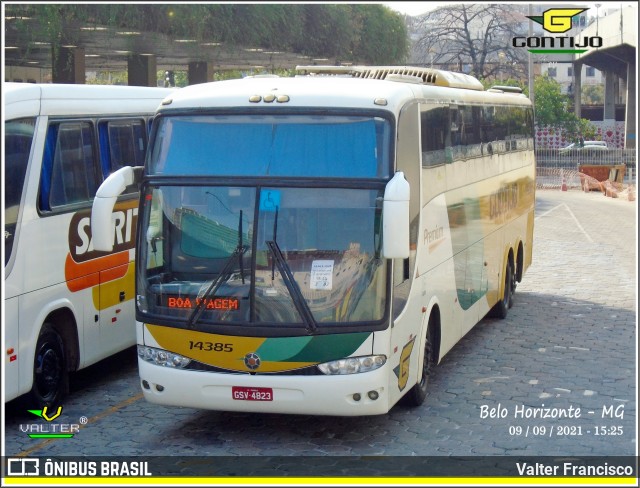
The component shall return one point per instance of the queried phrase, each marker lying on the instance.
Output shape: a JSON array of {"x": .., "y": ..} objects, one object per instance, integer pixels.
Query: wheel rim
[{"x": 48, "y": 371}]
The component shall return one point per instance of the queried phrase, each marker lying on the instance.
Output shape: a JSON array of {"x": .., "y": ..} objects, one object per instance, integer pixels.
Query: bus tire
[
  {"x": 50, "y": 376},
  {"x": 514, "y": 284},
  {"x": 501, "y": 309},
  {"x": 417, "y": 394}
]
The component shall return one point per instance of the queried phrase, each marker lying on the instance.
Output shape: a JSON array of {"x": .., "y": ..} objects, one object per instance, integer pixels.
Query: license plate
[{"x": 252, "y": 394}]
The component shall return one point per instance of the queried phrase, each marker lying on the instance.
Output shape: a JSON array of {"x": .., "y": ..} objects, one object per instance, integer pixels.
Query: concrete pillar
[
  {"x": 142, "y": 70},
  {"x": 200, "y": 72},
  {"x": 577, "y": 89},
  {"x": 68, "y": 64},
  {"x": 609, "y": 96},
  {"x": 622, "y": 91},
  {"x": 630, "y": 116}
]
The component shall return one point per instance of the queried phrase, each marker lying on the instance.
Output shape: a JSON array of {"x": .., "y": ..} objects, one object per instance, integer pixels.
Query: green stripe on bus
[
  {"x": 281, "y": 348},
  {"x": 329, "y": 347},
  {"x": 557, "y": 51}
]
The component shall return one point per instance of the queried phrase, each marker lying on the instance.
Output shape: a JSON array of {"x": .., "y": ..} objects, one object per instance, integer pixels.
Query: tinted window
[
  {"x": 123, "y": 143},
  {"x": 433, "y": 137},
  {"x": 316, "y": 146},
  {"x": 18, "y": 136},
  {"x": 69, "y": 165}
]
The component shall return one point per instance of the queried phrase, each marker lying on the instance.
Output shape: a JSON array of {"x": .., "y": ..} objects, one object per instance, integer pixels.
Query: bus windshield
[
  {"x": 282, "y": 145},
  {"x": 262, "y": 255}
]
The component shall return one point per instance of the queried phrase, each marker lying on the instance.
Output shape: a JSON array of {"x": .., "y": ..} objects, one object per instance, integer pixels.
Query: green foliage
[
  {"x": 109, "y": 78},
  {"x": 593, "y": 94},
  {"x": 383, "y": 39},
  {"x": 553, "y": 109},
  {"x": 327, "y": 30},
  {"x": 586, "y": 130},
  {"x": 360, "y": 33}
]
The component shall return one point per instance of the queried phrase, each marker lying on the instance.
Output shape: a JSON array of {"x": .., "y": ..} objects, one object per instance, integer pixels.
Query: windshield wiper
[
  {"x": 224, "y": 275},
  {"x": 292, "y": 286}
]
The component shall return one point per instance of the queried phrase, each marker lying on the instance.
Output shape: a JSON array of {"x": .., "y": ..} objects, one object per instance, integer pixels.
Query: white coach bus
[
  {"x": 316, "y": 244},
  {"x": 66, "y": 305}
]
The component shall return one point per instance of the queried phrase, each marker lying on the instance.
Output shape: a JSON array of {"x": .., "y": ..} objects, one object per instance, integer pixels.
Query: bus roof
[
  {"x": 29, "y": 99},
  {"x": 339, "y": 87}
]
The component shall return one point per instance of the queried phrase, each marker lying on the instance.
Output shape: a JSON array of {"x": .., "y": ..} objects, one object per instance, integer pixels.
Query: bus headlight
[
  {"x": 161, "y": 357},
  {"x": 353, "y": 365}
]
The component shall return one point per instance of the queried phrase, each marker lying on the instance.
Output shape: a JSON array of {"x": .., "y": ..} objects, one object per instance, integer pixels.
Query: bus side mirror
[
  {"x": 395, "y": 218},
  {"x": 102, "y": 229}
]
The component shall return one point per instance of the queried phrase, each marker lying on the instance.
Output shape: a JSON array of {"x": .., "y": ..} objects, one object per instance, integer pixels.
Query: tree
[
  {"x": 474, "y": 38},
  {"x": 383, "y": 36},
  {"x": 593, "y": 94},
  {"x": 553, "y": 109},
  {"x": 358, "y": 33}
]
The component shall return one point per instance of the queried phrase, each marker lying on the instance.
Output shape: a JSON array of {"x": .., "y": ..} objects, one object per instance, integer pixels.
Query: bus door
[{"x": 122, "y": 142}]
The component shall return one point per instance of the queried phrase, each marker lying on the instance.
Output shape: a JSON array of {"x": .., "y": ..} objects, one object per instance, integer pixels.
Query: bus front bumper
[{"x": 340, "y": 395}]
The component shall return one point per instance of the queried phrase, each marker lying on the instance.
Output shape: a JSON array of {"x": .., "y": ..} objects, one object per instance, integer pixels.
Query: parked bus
[
  {"x": 316, "y": 244},
  {"x": 66, "y": 306}
]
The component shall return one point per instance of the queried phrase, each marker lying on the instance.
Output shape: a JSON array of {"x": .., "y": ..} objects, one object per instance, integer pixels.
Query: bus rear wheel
[
  {"x": 418, "y": 393},
  {"x": 50, "y": 377},
  {"x": 501, "y": 309}
]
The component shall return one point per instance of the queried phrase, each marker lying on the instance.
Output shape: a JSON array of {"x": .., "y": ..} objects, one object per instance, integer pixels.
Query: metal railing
[{"x": 574, "y": 160}]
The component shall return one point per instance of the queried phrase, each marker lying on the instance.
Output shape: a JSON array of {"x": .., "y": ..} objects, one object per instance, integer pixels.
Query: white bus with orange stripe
[
  {"x": 67, "y": 306},
  {"x": 316, "y": 244}
]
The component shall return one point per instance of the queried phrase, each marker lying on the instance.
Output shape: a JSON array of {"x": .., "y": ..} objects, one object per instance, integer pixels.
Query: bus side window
[
  {"x": 433, "y": 137},
  {"x": 494, "y": 129},
  {"x": 122, "y": 143},
  {"x": 69, "y": 168},
  {"x": 471, "y": 133}
]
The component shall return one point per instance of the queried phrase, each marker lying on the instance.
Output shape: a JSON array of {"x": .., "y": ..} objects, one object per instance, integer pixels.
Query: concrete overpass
[
  {"x": 617, "y": 60},
  {"x": 140, "y": 53}
]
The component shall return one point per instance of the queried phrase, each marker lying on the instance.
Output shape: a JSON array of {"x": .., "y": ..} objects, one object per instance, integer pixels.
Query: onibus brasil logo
[
  {"x": 557, "y": 21},
  {"x": 51, "y": 430}
]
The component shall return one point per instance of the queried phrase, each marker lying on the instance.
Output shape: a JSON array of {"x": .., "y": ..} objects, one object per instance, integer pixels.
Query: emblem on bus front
[{"x": 252, "y": 361}]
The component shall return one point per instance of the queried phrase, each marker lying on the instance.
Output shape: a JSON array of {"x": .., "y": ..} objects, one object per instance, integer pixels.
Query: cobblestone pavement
[{"x": 568, "y": 343}]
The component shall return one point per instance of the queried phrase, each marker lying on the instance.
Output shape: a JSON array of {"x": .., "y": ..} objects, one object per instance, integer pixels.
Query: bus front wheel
[
  {"x": 417, "y": 394},
  {"x": 50, "y": 377}
]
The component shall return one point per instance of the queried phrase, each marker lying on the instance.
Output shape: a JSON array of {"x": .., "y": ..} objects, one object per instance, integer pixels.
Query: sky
[
  {"x": 417, "y": 8},
  {"x": 414, "y": 8}
]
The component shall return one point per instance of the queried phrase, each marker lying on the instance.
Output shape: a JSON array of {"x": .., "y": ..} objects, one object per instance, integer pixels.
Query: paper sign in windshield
[{"x": 322, "y": 274}]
